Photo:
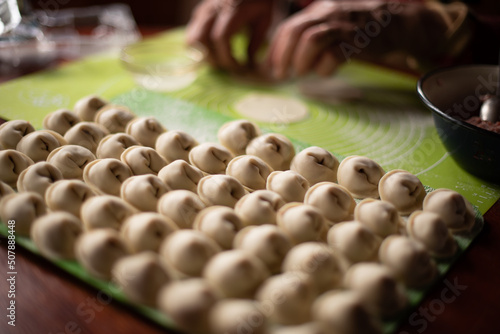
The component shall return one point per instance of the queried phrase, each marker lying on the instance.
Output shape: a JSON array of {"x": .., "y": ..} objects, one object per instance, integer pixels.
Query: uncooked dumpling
[
  {"x": 235, "y": 135},
  {"x": 313, "y": 327},
  {"x": 12, "y": 132},
  {"x": 68, "y": 195},
  {"x": 106, "y": 176},
  {"x": 105, "y": 211},
  {"x": 181, "y": 206},
  {"x": 316, "y": 164},
  {"x": 60, "y": 121},
  {"x": 275, "y": 149},
  {"x": 143, "y": 191},
  {"x": 250, "y": 170},
  {"x": 114, "y": 117},
  {"x": 38, "y": 144},
  {"x": 143, "y": 160},
  {"x": 5, "y": 189},
  {"x": 220, "y": 223},
  {"x": 230, "y": 316},
  {"x": 333, "y": 200},
  {"x": 38, "y": 177},
  {"x": 86, "y": 134},
  {"x": 87, "y": 107},
  {"x": 220, "y": 190},
  {"x": 181, "y": 175},
  {"x": 360, "y": 175},
  {"x": 146, "y": 130},
  {"x": 289, "y": 184},
  {"x": 210, "y": 158},
  {"x": 71, "y": 160},
  {"x": 403, "y": 189},
  {"x": 302, "y": 222},
  {"x": 174, "y": 145},
  {"x": 113, "y": 145},
  {"x": 381, "y": 217},
  {"x": 23, "y": 208},
  {"x": 12, "y": 164},
  {"x": 259, "y": 207}
]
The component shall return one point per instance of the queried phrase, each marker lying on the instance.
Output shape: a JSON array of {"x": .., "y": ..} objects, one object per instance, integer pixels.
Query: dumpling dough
[
  {"x": 289, "y": 184},
  {"x": 105, "y": 211},
  {"x": 267, "y": 242},
  {"x": 334, "y": 201},
  {"x": 360, "y": 175},
  {"x": 187, "y": 252},
  {"x": 86, "y": 134},
  {"x": 146, "y": 130},
  {"x": 12, "y": 164},
  {"x": 38, "y": 178},
  {"x": 114, "y": 118},
  {"x": 143, "y": 160},
  {"x": 210, "y": 158},
  {"x": 297, "y": 292},
  {"x": 354, "y": 241},
  {"x": 113, "y": 145},
  {"x": 98, "y": 250},
  {"x": 106, "y": 176},
  {"x": 403, "y": 189},
  {"x": 12, "y": 132},
  {"x": 181, "y": 206},
  {"x": 235, "y": 274},
  {"x": 87, "y": 107},
  {"x": 5, "y": 189},
  {"x": 316, "y": 164},
  {"x": 71, "y": 160},
  {"x": 429, "y": 229},
  {"x": 24, "y": 208},
  {"x": 68, "y": 195},
  {"x": 219, "y": 223},
  {"x": 174, "y": 145},
  {"x": 453, "y": 208},
  {"x": 220, "y": 190},
  {"x": 381, "y": 217},
  {"x": 230, "y": 316},
  {"x": 250, "y": 170},
  {"x": 318, "y": 261},
  {"x": 140, "y": 277},
  {"x": 181, "y": 175},
  {"x": 146, "y": 231},
  {"x": 275, "y": 149},
  {"x": 143, "y": 191},
  {"x": 381, "y": 294},
  {"x": 236, "y": 135},
  {"x": 408, "y": 261},
  {"x": 60, "y": 121},
  {"x": 55, "y": 235},
  {"x": 302, "y": 222},
  {"x": 38, "y": 145},
  {"x": 259, "y": 207}
]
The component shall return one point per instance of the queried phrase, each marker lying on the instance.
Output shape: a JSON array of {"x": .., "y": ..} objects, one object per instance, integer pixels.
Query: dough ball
[
  {"x": 235, "y": 274},
  {"x": 220, "y": 223},
  {"x": 143, "y": 191},
  {"x": 187, "y": 252},
  {"x": 71, "y": 160},
  {"x": 220, "y": 190},
  {"x": 60, "y": 121},
  {"x": 381, "y": 217},
  {"x": 210, "y": 158},
  {"x": 250, "y": 170},
  {"x": 453, "y": 208},
  {"x": 408, "y": 261},
  {"x": 318, "y": 261},
  {"x": 175, "y": 145},
  {"x": 12, "y": 164},
  {"x": 23, "y": 208},
  {"x": 5, "y": 189},
  {"x": 114, "y": 117},
  {"x": 236, "y": 135},
  {"x": 289, "y": 184},
  {"x": 105, "y": 211},
  {"x": 179, "y": 175},
  {"x": 333, "y": 200},
  {"x": 38, "y": 144},
  {"x": 140, "y": 277},
  {"x": 113, "y": 145},
  {"x": 12, "y": 132},
  {"x": 302, "y": 222},
  {"x": 146, "y": 231},
  {"x": 143, "y": 160},
  {"x": 86, "y": 134},
  {"x": 106, "y": 176},
  {"x": 87, "y": 107},
  {"x": 275, "y": 149},
  {"x": 316, "y": 164},
  {"x": 146, "y": 130},
  {"x": 236, "y": 316},
  {"x": 55, "y": 235},
  {"x": 181, "y": 206},
  {"x": 259, "y": 207},
  {"x": 403, "y": 189},
  {"x": 97, "y": 251},
  {"x": 68, "y": 196},
  {"x": 360, "y": 175},
  {"x": 38, "y": 178}
]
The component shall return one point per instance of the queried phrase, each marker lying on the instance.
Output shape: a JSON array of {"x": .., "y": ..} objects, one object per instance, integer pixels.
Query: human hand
[{"x": 214, "y": 22}]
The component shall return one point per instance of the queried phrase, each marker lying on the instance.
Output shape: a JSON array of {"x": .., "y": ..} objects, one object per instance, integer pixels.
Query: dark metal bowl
[{"x": 453, "y": 94}]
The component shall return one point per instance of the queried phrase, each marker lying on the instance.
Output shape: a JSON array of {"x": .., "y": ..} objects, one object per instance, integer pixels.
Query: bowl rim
[{"x": 441, "y": 113}]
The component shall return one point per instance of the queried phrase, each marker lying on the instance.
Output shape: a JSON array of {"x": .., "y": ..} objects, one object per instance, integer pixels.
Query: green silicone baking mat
[{"x": 363, "y": 110}]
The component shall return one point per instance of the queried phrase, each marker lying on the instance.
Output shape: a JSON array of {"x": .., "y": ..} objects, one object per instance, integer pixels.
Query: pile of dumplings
[{"x": 243, "y": 234}]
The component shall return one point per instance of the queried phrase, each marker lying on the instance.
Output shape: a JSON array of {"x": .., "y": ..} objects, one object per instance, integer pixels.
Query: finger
[
  {"x": 198, "y": 31},
  {"x": 327, "y": 64},
  {"x": 258, "y": 35},
  {"x": 226, "y": 25}
]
